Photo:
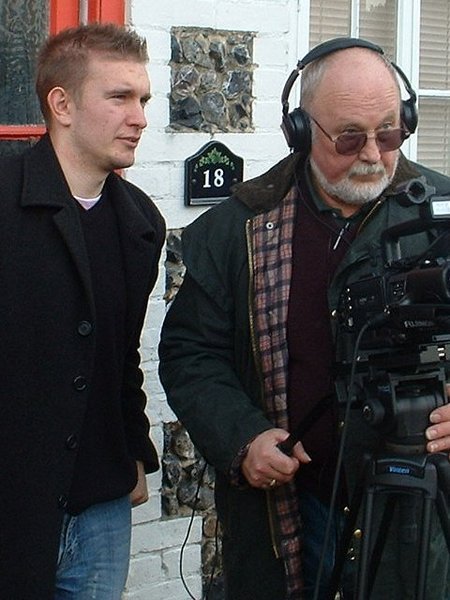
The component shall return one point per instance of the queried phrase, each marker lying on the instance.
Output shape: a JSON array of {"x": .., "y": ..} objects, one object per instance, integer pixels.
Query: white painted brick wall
[{"x": 159, "y": 170}]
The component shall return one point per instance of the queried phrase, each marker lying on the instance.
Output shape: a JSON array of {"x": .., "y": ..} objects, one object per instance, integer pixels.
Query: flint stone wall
[{"x": 211, "y": 80}]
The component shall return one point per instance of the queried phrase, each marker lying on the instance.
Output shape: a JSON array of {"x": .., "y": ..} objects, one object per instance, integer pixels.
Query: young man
[
  {"x": 79, "y": 257},
  {"x": 247, "y": 348}
]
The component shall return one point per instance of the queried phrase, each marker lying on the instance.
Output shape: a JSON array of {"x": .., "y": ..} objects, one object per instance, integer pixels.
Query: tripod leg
[
  {"x": 362, "y": 593},
  {"x": 381, "y": 539},
  {"x": 370, "y": 560},
  {"x": 444, "y": 515},
  {"x": 346, "y": 536},
  {"x": 423, "y": 549},
  {"x": 443, "y": 494}
]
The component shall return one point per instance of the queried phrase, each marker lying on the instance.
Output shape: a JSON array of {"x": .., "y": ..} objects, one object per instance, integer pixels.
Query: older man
[{"x": 247, "y": 348}]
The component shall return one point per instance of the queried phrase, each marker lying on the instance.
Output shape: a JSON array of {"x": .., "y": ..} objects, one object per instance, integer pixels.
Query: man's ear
[{"x": 60, "y": 104}]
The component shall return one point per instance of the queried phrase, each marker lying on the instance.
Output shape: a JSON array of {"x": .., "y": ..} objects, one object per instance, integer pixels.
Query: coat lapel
[
  {"x": 138, "y": 240},
  {"x": 138, "y": 236},
  {"x": 53, "y": 193}
]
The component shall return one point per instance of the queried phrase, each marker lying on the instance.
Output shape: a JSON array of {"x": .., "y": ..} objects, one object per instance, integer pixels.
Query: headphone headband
[
  {"x": 296, "y": 125},
  {"x": 334, "y": 45}
]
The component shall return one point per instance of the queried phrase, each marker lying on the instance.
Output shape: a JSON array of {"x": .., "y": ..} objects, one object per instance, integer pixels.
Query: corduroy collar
[{"x": 266, "y": 191}]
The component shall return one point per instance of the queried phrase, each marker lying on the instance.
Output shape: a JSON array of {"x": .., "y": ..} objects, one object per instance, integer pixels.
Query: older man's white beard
[{"x": 348, "y": 191}]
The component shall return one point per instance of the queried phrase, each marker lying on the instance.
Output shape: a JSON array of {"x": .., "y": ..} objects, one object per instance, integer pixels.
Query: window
[
  {"x": 415, "y": 35},
  {"x": 434, "y": 85},
  {"x": 24, "y": 25}
]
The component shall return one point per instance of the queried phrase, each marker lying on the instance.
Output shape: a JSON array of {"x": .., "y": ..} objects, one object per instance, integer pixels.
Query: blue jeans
[
  {"x": 94, "y": 552},
  {"x": 314, "y": 515}
]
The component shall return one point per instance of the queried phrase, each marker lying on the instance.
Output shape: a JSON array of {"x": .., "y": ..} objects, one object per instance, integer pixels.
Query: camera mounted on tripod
[
  {"x": 399, "y": 322},
  {"x": 392, "y": 364}
]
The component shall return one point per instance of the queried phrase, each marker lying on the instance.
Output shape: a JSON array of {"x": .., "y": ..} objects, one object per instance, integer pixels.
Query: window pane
[
  {"x": 434, "y": 138},
  {"x": 378, "y": 23},
  {"x": 332, "y": 18},
  {"x": 8, "y": 147},
  {"x": 24, "y": 24},
  {"x": 329, "y": 19},
  {"x": 434, "y": 46}
]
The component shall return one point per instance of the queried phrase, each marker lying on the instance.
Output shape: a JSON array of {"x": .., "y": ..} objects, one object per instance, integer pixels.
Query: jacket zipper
[
  {"x": 258, "y": 369},
  {"x": 374, "y": 208}
]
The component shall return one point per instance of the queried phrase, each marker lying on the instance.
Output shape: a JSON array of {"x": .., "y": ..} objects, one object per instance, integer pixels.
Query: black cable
[
  {"x": 188, "y": 532},
  {"x": 339, "y": 461}
]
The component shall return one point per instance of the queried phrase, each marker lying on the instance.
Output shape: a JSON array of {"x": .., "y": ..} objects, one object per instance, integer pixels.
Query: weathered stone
[
  {"x": 208, "y": 81},
  {"x": 236, "y": 83},
  {"x": 185, "y": 82},
  {"x": 217, "y": 53},
  {"x": 205, "y": 498},
  {"x": 187, "y": 494},
  {"x": 175, "y": 268},
  {"x": 189, "y": 487},
  {"x": 206, "y": 65},
  {"x": 241, "y": 54},
  {"x": 182, "y": 446},
  {"x": 187, "y": 113},
  {"x": 170, "y": 505},
  {"x": 174, "y": 245},
  {"x": 210, "y": 526},
  {"x": 172, "y": 471},
  {"x": 176, "y": 51},
  {"x": 214, "y": 109},
  {"x": 210, "y": 557},
  {"x": 195, "y": 50},
  {"x": 246, "y": 100},
  {"x": 237, "y": 114}
]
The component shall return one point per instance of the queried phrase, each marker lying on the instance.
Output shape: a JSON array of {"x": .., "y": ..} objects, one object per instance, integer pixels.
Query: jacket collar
[
  {"x": 45, "y": 186},
  {"x": 38, "y": 189},
  {"x": 265, "y": 192}
]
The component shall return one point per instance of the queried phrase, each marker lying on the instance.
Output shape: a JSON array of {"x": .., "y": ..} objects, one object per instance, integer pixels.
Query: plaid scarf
[{"x": 271, "y": 243}]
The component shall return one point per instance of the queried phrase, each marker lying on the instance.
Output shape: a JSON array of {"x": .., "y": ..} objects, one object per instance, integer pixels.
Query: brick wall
[{"x": 159, "y": 170}]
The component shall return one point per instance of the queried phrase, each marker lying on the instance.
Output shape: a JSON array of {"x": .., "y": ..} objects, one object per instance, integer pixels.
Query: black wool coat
[{"x": 47, "y": 342}]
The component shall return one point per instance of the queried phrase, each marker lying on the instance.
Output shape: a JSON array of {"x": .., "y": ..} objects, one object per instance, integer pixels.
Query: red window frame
[{"x": 65, "y": 13}]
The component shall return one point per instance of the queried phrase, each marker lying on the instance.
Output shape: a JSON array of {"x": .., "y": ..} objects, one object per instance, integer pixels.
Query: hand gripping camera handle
[{"x": 288, "y": 444}]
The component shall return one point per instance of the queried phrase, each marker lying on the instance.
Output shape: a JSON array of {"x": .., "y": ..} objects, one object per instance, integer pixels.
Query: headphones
[{"x": 296, "y": 125}]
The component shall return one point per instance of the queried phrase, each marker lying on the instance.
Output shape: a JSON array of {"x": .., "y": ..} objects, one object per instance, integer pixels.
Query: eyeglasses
[{"x": 353, "y": 142}]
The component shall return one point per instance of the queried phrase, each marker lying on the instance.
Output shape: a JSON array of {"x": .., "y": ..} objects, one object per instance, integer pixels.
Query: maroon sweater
[{"x": 321, "y": 238}]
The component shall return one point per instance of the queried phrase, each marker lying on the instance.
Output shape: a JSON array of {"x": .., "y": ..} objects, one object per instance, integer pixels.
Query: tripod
[
  {"x": 402, "y": 469},
  {"x": 425, "y": 476}
]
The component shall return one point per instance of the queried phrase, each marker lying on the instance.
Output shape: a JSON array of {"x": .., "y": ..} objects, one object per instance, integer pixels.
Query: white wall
[{"x": 159, "y": 170}]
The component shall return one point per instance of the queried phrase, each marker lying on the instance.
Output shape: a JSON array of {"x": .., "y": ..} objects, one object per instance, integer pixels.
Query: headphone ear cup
[
  {"x": 297, "y": 131},
  {"x": 409, "y": 114}
]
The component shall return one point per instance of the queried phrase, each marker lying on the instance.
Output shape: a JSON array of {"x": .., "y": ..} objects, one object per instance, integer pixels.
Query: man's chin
[
  {"x": 358, "y": 195},
  {"x": 122, "y": 162}
]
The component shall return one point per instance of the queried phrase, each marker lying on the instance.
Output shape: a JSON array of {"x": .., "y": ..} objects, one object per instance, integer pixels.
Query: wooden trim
[
  {"x": 107, "y": 11},
  {"x": 63, "y": 13},
  {"x": 21, "y": 132}
]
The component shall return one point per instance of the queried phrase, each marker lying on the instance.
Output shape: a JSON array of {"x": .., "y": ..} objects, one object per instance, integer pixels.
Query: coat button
[
  {"x": 84, "y": 328},
  {"x": 79, "y": 383},
  {"x": 72, "y": 442},
  {"x": 63, "y": 501}
]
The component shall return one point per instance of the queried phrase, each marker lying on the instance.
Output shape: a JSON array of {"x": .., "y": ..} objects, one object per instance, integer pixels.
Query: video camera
[{"x": 399, "y": 322}]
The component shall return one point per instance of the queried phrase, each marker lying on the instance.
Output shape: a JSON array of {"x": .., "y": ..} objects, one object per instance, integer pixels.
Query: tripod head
[{"x": 398, "y": 402}]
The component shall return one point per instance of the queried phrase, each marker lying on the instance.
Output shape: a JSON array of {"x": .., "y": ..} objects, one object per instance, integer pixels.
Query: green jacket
[{"x": 211, "y": 364}]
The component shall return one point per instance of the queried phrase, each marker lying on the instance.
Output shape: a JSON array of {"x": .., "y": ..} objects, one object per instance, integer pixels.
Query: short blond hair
[{"x": 63, "y": 59}]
